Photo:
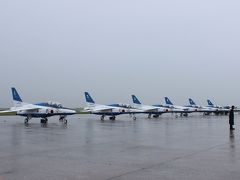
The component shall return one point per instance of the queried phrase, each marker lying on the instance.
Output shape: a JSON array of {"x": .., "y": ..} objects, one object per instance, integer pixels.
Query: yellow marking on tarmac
[{"x": 7, "y": 114}]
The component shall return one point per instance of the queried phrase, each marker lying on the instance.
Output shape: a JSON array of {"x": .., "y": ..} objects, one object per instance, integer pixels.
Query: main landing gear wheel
[
  {"x": 65, "y": 121},
  {"x": 26, "y": 121},
  {"x": 149, "y": 116},
  {"x": 206, "y": 113},
  {"x": 113, "y": 118},
  {"x": 44, "y": 121},
  {"x": 156, "y": 116},
  {"x": 102, "y": 118},
  {"x": 62, "y": 118},
  {"x": 134, "y": 118},
  {"x": 185, "y": 114}
]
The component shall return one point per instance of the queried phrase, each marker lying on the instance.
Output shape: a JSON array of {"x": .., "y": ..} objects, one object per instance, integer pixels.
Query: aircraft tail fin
[
  {"x": 88, "y": 98},
  {"x": 135, "y": 100},
  {"x": 209, "y": 103},
  {"x": 17, "y": 101},
  {"x": 168, "y": 102},
  {"x": 191, "y": 102}
]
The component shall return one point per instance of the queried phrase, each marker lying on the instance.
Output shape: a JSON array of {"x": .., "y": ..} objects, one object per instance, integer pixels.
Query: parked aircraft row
[
  {"x": 114, "y": 110},
  {"x": 45, "y": 110}
]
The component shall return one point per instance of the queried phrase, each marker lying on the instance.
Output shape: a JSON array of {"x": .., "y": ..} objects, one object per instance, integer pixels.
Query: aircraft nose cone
[{"x": 72, "y": 111}]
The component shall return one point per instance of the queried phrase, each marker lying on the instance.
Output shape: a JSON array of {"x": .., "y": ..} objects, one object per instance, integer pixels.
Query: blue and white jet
[
  {"x": 219, "y": 109},
  {"x": 111, "y": 110},
  {"x": 39, "y": 110},
  {"x": 183, "y": 110},
  {"x": 210, "y": 108},
  {"x": 193, "y": 104},
  {"x": 155, "y": 110},
  {"x": 204, "y": 109}
]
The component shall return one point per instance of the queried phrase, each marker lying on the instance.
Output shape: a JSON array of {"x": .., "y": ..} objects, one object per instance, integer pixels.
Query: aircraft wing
[
  {"x": 213, "y": 110},
  {"x": 149, "y": 108},
  {"x": 173, "y": 110},
  {"x": 109, "y": 108},
  {"x": 29, "y": 107},
  {"x": 101, "y": 108}
]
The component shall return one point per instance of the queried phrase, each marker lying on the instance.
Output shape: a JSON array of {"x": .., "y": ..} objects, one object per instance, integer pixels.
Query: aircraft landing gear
[
  {"x": 184, "y": 115},
  {"x": 113, "y": 118},
  {"x": 156, "y": 116},
  {"x": 149, "y": 116},
  {"x": 26, "y": 121},
  {"x": 134, "y": 118},
  {"x": 61, "y": 118},
  {"x": 102, "y": 118},
  {"x": 44, "y": 120}
]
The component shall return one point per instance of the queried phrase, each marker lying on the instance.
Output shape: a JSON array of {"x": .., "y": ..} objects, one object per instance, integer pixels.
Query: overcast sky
[{"x": 57, "y": 49}]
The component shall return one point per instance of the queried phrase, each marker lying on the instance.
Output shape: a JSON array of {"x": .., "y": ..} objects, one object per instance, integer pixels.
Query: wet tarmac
[{"x": 168, "y": 148}]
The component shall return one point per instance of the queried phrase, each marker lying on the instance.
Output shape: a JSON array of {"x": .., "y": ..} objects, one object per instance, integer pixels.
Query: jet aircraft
[
  {"x": 111, "y": 110},
  {"x": 183, "y": 110},
  {"x": 39, "y": 110},
  {"x": 210, "y": 108},
  {"x": 155, "y": 110},
  {"x": 219, "y": 109}
]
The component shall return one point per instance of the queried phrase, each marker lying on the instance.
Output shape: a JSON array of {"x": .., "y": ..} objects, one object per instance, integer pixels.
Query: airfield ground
[{"x": 193, "y": 148}]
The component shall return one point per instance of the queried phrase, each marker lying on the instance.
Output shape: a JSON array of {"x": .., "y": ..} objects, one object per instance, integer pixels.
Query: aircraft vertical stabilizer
[
  {"x": 17, "y": 101},
  {"x": 192, "y": 102},
  {"x": 168, "y": 102},
  {"x": 210, "y": 103},
  {"x": 89, "y": 98},
  {"x": 135, "y": 100}
]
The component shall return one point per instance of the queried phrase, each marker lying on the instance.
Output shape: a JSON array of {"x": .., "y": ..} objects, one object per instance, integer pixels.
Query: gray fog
[{"x": 57, "y": 49}]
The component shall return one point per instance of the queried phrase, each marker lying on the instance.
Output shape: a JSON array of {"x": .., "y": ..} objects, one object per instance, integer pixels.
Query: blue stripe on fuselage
[
  {"x": 114, "y": 105},
  {"x": 157, "y": 105},
  {"x": 109, "y": 113},
  {"x": 43, "y": 115}
]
